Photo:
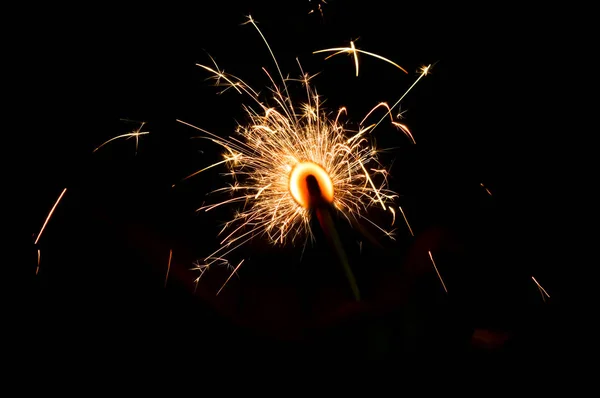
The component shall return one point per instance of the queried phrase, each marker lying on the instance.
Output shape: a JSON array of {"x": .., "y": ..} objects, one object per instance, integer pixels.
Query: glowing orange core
[{"x": 308, "y": 180}]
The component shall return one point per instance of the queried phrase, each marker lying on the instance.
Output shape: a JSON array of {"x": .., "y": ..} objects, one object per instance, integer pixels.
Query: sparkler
[{"x": 292, "y": 161}]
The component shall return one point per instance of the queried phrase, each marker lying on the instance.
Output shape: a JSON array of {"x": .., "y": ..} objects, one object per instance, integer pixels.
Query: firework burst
[{"x": 291, "y": 158}]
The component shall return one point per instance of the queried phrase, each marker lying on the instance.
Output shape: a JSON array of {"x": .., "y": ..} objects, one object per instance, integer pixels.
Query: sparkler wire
[
  {"x": 328, "y": 227},
  {"x": 321, "y": 206}
]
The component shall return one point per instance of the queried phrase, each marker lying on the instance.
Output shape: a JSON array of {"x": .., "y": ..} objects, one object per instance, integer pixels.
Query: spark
[
  {"x": 486, "y": 189},
  {"x": 234, "y": 271},
  {"x": 393, "y": 214},
  {"x": 227, "y": 159},
  {"x": 168, "y": 266},
  {"x": 136, "y": 133},
  {"x": 274, "y": 152},
  {"x": 201, "y": 268},
  {"x": 381, "y": 104},
  {"x": 541, "y": 289},
  {"x": 406, "y": 220},
  {"x": 405, "y": 130},
  {"x": 424, "y": 71},
  {"x": 401, "y": 126},
  {"x": 250, "y": 20},
  {"x": 354, "y": 51},
  {"x": 438, "y": 273},
  {"x": 401, "y": 113},
  {"x": 318, "y": 7},
  {"x": 220, "y": 75},
  {"x": 37, "y": 269},
  {"x": 49, "y": 215}
]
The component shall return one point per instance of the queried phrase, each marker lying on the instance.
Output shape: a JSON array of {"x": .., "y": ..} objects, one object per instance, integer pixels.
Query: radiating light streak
[
  {"x": 437, "y": 272},
  {"x": 39, "y": 235}
]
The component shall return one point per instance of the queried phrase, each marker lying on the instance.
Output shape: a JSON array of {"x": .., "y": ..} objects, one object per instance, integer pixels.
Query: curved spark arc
[
  {"x": 39, "y": 235},
  {"x": 134, "y": 134},
  {"x": 354, "y": 51},
  {"x": 265, "y": 151}
]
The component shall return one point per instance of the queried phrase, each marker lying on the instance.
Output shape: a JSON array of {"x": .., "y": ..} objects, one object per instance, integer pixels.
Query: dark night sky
[{"x": 482, "y": 116}]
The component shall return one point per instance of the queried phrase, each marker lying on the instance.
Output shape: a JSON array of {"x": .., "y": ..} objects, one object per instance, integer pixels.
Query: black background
[{"x": 489, "y": 113}]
